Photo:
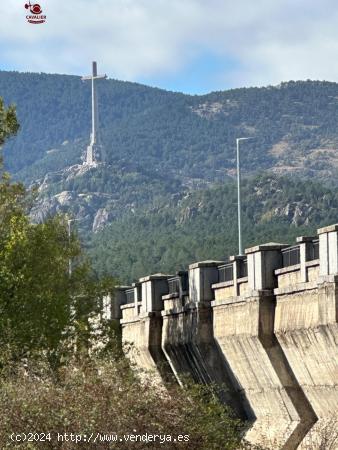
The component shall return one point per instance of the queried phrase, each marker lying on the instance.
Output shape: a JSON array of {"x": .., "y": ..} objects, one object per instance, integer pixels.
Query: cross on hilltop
[{"x": 94, "y": 150}]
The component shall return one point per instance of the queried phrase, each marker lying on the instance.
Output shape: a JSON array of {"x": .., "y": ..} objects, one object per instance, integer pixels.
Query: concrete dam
[{"x": 263, "y": 326}]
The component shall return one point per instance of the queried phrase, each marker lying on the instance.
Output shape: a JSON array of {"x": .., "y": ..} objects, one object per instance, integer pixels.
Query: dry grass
[{"x": 107, "y": 397}]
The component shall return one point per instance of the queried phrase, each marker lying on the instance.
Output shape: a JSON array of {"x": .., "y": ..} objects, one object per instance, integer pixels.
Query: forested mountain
[
  {"x": 294, "y": 125},
  {"x": 167, "y": 154},
  {"x": 203, "y": 225}
]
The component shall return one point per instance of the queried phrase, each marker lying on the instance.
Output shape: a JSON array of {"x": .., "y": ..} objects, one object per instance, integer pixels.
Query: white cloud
[{"x": 271, "y": 40}]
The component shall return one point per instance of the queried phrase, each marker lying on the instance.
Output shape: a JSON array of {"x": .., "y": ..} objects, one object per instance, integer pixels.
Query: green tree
[
  {"x": 43, "y": 309},
  {"x": 8, "y": 122}
]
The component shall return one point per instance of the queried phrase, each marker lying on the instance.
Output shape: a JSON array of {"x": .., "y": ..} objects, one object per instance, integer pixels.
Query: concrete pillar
[
  {"x": 262, "y": 262},
  {"x": 328, "y": 249},
  {"x": 112, "y": 313},
  {"x": 305, "y": 242},
  {"x": 119, "y": 299},
  {"x": 137, "y": 296},
  {"x": 237, "y": 261},
  {"x": 152, "y": 289},
  {"x": 201, "y": 276},
  {"x": 142, "y": 331}
]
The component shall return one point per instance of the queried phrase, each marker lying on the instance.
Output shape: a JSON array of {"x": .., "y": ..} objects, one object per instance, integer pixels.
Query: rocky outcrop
[
  {"x": 101, "y": 219},
  {"x": 92, "y": 209}
]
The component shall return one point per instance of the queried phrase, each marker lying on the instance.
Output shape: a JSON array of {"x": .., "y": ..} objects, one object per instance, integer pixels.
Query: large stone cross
[{"x": 90, "y": 158}]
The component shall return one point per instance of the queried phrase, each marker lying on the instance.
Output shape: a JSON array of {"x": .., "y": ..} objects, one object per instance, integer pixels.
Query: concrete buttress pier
[
  {"x": 142, "y": 325},
  {"x": 187, "y": 335},
  {"x": 306, "y": 328},
  {"x": 243, "y": 327}
]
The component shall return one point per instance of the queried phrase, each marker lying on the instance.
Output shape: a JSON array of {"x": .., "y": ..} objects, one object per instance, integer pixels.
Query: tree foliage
[
  {"x": 203, "y": 225},
  {"x": 162, "y": 147},
  {"x": 43, "y": 307},
  {"x": 8, "y": 122},
  {"x": 167, "y": 133}
]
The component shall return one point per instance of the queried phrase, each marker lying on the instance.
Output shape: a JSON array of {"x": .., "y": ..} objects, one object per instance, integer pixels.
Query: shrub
[{"x": 108, "y": 397}]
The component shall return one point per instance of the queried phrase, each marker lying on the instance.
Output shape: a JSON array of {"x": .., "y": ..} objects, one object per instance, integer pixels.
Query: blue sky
[
  {"x": 194, "y": 46},
  {"x": 203, "y": 74}
]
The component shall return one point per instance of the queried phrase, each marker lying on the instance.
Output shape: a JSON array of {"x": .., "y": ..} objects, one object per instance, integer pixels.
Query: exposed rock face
[
  {"x": 87, "y": 207},
  {"x": 187, "y": 214},
  {"x": 100, "y": 220},
  {"x": 64, "y": 198},
  {"x": 209, "y": 109},
  {"x": 61, "y": 175},
  {"x": 297, "y": 213}
]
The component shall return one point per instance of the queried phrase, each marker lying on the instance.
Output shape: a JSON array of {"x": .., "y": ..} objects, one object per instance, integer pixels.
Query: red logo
[{"x": 36, "y": 12}]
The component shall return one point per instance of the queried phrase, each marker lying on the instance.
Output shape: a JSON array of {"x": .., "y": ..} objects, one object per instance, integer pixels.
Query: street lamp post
[
  {"x": 239, "y": 204},
  {"x": 70, "y": 259},
  {"x": 70, "y": 268}
]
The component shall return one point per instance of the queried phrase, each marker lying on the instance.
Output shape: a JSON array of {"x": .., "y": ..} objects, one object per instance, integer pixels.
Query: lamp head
[{"x": 244, "y": 138}]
